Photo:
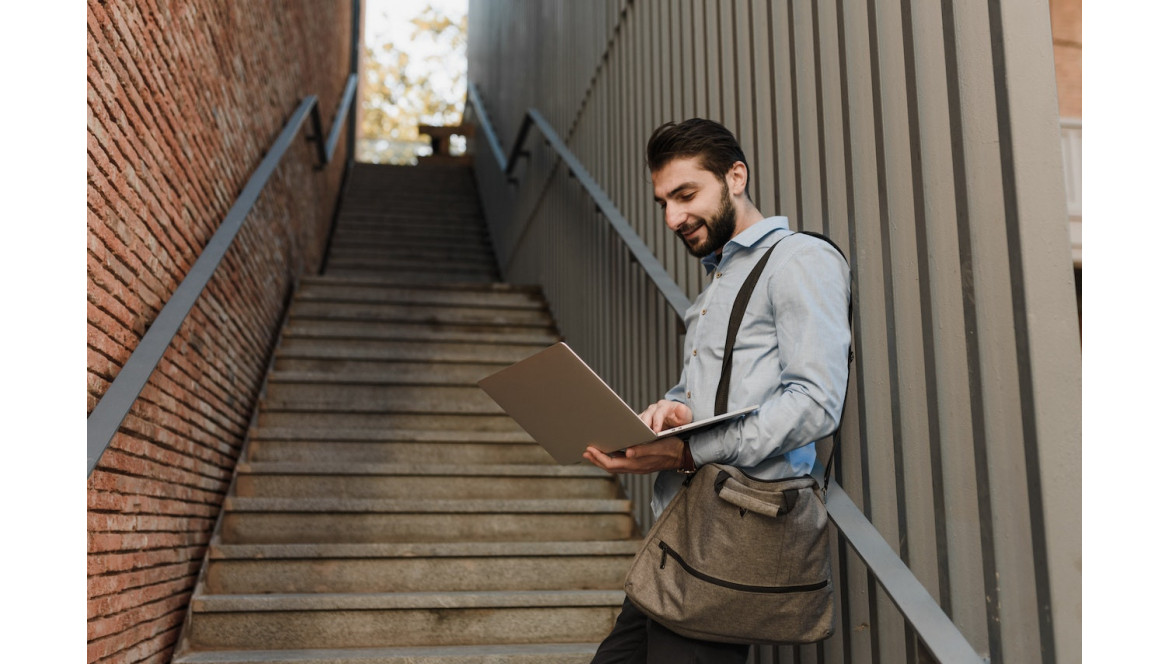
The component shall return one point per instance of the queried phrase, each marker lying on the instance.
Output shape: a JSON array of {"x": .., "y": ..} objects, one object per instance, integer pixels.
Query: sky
[
  {"x": 391, "y": 18},
  {"x": 389, "y": 21}
]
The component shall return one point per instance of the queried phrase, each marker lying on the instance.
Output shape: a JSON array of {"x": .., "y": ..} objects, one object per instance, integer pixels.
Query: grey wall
[{"x": 923, "y": 137}]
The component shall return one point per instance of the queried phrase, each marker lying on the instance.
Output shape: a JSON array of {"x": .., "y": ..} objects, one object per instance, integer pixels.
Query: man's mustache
[{"x": 684, "y": 230}]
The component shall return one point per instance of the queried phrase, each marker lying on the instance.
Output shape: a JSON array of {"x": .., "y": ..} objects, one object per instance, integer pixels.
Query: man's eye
[{"x": 686, "y": 197}]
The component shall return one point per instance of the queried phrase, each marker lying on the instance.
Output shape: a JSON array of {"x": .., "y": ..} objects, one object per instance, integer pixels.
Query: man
[{"x": 791, "y": 352}]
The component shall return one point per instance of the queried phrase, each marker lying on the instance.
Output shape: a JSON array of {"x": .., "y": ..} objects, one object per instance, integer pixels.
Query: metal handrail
[
  {"x": 670, "y": 290},
  {"x": 934, "y": 628},
  {"x": 107, "y": 416}
]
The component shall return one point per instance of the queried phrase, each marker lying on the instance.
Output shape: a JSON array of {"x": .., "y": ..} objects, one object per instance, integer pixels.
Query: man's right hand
[{"x": 666, "y": 414}]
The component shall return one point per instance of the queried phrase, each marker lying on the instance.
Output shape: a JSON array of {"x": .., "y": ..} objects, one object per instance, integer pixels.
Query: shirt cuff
[{"x": 705, "y": 448}]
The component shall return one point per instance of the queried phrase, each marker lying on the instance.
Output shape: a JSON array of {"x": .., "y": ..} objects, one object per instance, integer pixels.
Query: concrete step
[
  {"x": 366, "y": 290},
  {"x": 375, "y": 281},
  {"x": 472, "y": 242},
  {"x": 306, "y": 415},
  {"x": 369, "y": 620},
  {"x": 442, "y": 272},
  {"x": 440, "y": 352},
  {"x": 366, "y": 252},
  {"x": 539, "y": 653},
  {"x": 413, "y": 480},
  {"x": 399, "y": 452},
  {"x": 464, "y": 372},
  {"x": 408, "y": 350},
  {"x": 375, "y": 446},
  {"x": 407, "y": 277},
  {"x": 403, "y": 203},
  {"x": 472, "y": 245},
  {"x": 418, "y": 567},
  {"x": 402, "y": 373},
  {"x": 403, "y": 259},
  {"x": 458, "y": 224},
  {"x": 333, "y": 520},
  {"x": 392, "y": 312},
  {"x": 380, "y": 398},
  {"x": 310, "y": 328}
]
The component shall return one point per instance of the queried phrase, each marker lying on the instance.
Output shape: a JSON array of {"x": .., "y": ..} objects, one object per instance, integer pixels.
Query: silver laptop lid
[{"x": 565, "y": 406}]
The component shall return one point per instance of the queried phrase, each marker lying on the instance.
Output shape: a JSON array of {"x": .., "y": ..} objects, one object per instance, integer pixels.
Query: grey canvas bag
[{"x": 737, "y": 559}]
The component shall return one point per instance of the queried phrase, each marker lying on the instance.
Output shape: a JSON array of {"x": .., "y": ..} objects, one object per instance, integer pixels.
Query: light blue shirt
[{"x": 791, "y": 355}]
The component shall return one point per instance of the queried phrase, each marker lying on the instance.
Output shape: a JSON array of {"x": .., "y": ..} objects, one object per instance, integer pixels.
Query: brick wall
[
  {"x": 183, "y": 99},
  {"x": 1066, "y": 49}
]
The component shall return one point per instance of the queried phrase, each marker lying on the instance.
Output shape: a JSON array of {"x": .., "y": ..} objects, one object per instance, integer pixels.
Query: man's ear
[{"x": 736, "y": 178}]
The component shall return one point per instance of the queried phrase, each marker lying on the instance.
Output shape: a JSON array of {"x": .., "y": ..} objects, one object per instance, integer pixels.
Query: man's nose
[{"x": 675, "y": 217}]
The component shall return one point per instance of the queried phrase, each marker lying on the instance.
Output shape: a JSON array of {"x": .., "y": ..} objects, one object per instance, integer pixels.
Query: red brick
[
  {"x": 99, "y": 564},
  {"x": 172, "y": 137},
  {"x": 106, "y": 584}
]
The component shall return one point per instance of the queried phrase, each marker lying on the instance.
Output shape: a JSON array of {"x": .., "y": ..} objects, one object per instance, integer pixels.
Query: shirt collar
[{"x": 748, "y": 238}]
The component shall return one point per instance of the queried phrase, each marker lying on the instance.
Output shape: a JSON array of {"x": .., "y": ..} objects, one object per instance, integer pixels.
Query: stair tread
[
  {"x": 429, "y": 506},
  {"x": 398, "y": 601},
  {"x": 387, "y": 377},
  {"x": 476, "y": 549},
  {"x": 389, "y": 469},
  {"x": 389, "y": 435},
  {"x": 404, "y": 332},
  {"x": 401, "y": 655},
  {"x": 376, "y": 281}
]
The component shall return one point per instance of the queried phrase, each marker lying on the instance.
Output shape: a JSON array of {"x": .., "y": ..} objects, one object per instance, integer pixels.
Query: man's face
[{"x": 696, "y": 204}]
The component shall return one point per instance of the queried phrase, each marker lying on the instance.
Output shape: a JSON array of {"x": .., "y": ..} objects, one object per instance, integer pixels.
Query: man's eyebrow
[{"x": 674, "y": 192}]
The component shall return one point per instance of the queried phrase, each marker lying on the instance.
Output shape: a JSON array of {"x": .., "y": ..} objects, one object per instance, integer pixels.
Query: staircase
[{"x": 385, "y": 510}]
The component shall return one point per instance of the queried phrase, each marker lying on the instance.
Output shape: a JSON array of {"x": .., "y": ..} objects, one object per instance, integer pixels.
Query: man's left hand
[{"x": 665, "y": 454}]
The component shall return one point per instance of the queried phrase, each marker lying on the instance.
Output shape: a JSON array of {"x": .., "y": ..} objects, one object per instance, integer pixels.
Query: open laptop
[{"x": 565, "y": 406}]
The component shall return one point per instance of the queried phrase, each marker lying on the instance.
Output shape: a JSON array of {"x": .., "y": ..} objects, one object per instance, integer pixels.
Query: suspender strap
[{"x": 739, "y": 307}]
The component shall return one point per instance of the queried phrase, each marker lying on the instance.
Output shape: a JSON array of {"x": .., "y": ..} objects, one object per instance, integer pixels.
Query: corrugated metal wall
[{"x": 923, "y": 137}]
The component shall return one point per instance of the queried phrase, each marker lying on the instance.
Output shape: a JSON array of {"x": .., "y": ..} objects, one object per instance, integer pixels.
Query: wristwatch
[{"x": 688, "y": 464}]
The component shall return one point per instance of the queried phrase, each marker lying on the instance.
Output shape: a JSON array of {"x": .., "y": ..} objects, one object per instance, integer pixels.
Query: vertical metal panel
[
  {"x": 890, "y": 126},
  {"x": 763, "y": 161}
]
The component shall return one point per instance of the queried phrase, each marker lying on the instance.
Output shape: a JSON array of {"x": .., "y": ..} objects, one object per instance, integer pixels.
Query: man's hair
[{"x": 708, "y": 140}]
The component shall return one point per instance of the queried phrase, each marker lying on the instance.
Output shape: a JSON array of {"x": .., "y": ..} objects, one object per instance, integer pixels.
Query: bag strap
[{"x": 739, "y": 308}]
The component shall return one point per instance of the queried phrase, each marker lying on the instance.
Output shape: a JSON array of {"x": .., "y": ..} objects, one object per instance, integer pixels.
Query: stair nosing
[
  {"x": 408, "y": 653},
  {"x": 509, "y": 599},
  {"x": 413, "y": 550},
  {"x": 421, "y": 470},
  {"x": 244, "y": 504}
]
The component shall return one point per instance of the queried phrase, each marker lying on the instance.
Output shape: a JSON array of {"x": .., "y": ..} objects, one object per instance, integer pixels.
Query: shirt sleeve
[{"x": 809, "y": 297}]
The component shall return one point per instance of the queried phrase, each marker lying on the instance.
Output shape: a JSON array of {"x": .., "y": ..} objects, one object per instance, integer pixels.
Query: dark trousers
[{"x": 636, "y": 639}]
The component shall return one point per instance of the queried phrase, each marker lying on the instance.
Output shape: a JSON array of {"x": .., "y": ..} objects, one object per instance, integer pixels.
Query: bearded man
[{"x": 791, "y": 351}]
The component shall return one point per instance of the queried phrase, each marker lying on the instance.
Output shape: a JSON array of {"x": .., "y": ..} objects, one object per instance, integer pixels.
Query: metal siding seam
[
  {"x": 888, "y": 283},
  {"x": 752, "y": 97},
  {"x": 796, "y": 178},
  {"x": 857, "y": 377},
  {"x": 820, "y": 115},
  {"x": 1023, "y": 338},
  {"x": 775, "y": 111}
]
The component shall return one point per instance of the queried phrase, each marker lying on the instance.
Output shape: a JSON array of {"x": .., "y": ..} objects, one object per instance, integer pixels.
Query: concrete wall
[
  {"x": 183, "y": 100},
  {"x": 923, "y": 137}
]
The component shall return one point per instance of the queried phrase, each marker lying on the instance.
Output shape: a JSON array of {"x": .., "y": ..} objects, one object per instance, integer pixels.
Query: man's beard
[{"x": 720, "y": 228}]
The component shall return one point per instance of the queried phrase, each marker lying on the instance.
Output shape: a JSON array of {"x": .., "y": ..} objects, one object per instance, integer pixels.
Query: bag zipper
[{"x": 731, "y": 584}]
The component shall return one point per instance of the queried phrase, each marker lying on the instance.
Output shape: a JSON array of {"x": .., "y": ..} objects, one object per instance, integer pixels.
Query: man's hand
[
  {"x": 665, "y": 454},
  {"x": 666, "y": 414}
]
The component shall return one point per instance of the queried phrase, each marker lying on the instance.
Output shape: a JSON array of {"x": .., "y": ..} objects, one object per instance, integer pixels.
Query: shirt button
[
  {"x": 718, "y": 274},
  {"x": 703, "y": 312},
  {"x": 688, "y": 395},
  {"x": 695, "y": 352}
]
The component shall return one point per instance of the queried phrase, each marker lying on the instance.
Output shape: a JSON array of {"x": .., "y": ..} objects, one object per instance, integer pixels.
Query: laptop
[{"x": 565, "y": 406}]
